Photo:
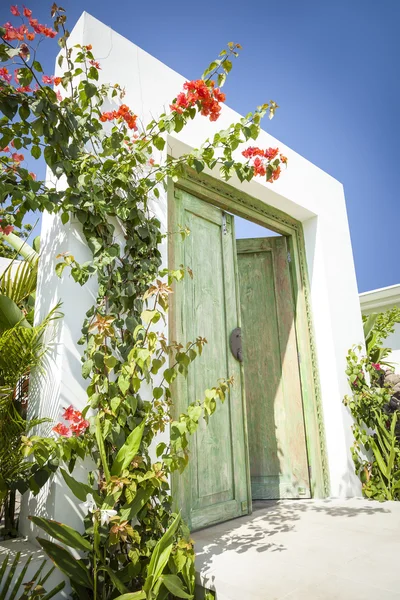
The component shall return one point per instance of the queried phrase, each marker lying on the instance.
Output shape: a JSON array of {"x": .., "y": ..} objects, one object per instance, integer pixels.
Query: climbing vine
[{"x": 109, "y": 169}]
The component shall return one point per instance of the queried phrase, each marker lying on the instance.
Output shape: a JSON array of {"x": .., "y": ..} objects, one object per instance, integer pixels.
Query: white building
[
  {"x": 305, "y": 385},
  {"x": 381, "y": 300}
]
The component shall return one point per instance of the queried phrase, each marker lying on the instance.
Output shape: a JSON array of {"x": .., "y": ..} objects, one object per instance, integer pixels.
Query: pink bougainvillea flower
[
  {"x": 63, "y": 430},
  {"x": 23, "y": 50},
  {"x": 376, "y": 366},
  {"x": 95, "y": 64},
  {"x": 27, "y": 12},
  {"x": 33, "y": 176},
  {"x": 6, "y": 229},
  {"x": 14, "y": 11},
  {"x": 48, "y": 79},
  {"x": 5, "y": 74},
  {"x": 17, "y": 157},
  {"x": 151, "y": 161}
]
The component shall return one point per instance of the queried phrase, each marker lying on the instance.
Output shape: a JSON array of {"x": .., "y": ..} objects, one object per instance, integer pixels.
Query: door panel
[
  {"x": 277, "y": 442},
  {"x": 214, "y": 487}
]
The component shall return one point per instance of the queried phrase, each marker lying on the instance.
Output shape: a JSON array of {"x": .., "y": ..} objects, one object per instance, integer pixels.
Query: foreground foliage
[
  {"x": 22, "y": 584},
  {"x": 111, "y": 171},
  {"x": 22, "y": 349},
  {"x": 375, "y": 406}
]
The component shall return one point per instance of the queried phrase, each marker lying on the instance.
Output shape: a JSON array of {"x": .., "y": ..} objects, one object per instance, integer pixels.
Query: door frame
[{"x": 239, "y": 203}]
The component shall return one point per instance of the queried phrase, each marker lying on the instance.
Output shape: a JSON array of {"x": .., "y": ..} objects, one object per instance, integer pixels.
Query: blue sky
[{"x": 332, "y": 66}]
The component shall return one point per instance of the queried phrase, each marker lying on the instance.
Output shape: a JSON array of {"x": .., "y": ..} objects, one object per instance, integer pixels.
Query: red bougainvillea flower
[
  {"x": 151, "y": 161},
  {"x": 30, "y": 36},
  {"x": 79, "y": 427},
  {"x": 33, "y": 176},
  {"x": 275, "y": 175},
  {"x": 59, "y": 97},
  {"x": 262, "y": 162},
  {"x": 14, "y": 11},
  {"x": 24, "y": 88},
  {"x": 5, "y": 74},
  {"x": 42, "y": 29},
  {"x": 95, "y": 64},
  {"x": 5, "y": 149},
  {"x": 6, "y": 229},
  {"x": 17, "y": 157},
  {"x": 123, "y": 113},
  {"x": 70, "y": 414},
  {"x": 57, "y": 80},
  {"x": 252, "y": 151},
  {"x": 48, "y": 79},
  {"x": 271, "y": 153},
  {"x": 88, "y": 47},
  {"x": 27, "y": 12},
  {"x": 205, "y": 97},
  {"x": 376, "y": 366},
  {"x": 63, "y": 430},
  {"x": 259, "y": 167}
]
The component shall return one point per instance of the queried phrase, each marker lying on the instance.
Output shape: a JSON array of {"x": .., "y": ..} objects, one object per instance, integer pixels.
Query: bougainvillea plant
[{"x": 102, "y": 160}]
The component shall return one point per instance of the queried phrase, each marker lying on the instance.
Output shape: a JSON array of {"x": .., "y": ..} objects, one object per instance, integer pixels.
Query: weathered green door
[
  {"x": 214, "y": 487},
  {"x": 277, "y": 442}
]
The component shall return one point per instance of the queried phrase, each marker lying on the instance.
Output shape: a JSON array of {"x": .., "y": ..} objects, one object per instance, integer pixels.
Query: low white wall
[{"x": 304, "y": 192}]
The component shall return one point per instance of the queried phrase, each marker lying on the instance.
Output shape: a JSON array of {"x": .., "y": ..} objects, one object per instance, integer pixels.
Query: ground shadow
[{"x": 269, "y": 518}]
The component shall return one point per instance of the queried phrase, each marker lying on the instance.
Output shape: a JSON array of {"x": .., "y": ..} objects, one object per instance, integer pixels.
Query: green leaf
[
  {"x": 161, "y": 554},
  {"x": 129, "y": 450},
  {"x": 64, "y": 218},
  {"x": 69, "y": 565},
  {"x": 63, "y": 533},
  {"x": 37, "y": 66},
  {"x": 175, "y": 585},
  {"x": 10, "y": 314},
  {"x": 90, "y": 89},
  {"x": 116, "y": 581},
  {"x": 132, "y": 596},
  {"x": 36, "y": 151},
  {"x": 87, "y": 368},
  {"x": 80, "y": 490},
  {"x": 102, "y": 450},
  {"x": 129, "y": 511}
]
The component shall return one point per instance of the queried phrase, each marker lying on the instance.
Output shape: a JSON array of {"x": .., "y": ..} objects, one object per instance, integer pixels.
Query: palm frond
[{"x": 18, "y": 284}]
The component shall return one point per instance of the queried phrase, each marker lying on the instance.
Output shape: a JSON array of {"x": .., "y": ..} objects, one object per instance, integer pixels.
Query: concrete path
[{"x": 304, "y": 550}]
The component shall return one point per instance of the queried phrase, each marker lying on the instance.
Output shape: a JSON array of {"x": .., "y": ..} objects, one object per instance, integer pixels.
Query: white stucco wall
[
  {"x": 304, "y": 192},
  {"x": 381, "y": 300}
]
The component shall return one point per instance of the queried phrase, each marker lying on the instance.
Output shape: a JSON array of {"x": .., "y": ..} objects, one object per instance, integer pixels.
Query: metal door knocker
[{"x": 236, "y": 344}]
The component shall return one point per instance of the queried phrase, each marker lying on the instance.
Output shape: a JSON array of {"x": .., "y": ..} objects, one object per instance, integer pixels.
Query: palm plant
[
  {"x": 22, "y": 347},
  {"x": 16, "y": 588}
]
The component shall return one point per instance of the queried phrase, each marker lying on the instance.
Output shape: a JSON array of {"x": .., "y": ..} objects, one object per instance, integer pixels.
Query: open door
[
  {"x": 215, "y": 486},
  {"x": 276, "y": 432}
]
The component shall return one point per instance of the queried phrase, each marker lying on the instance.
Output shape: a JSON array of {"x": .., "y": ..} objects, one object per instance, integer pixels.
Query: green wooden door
[
  {"x": 215, "y": 486},
  {"x": 277, "y": 442}
]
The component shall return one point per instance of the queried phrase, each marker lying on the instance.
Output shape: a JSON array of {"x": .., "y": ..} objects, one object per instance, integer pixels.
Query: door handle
[{"x": 235, "y": 341}]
